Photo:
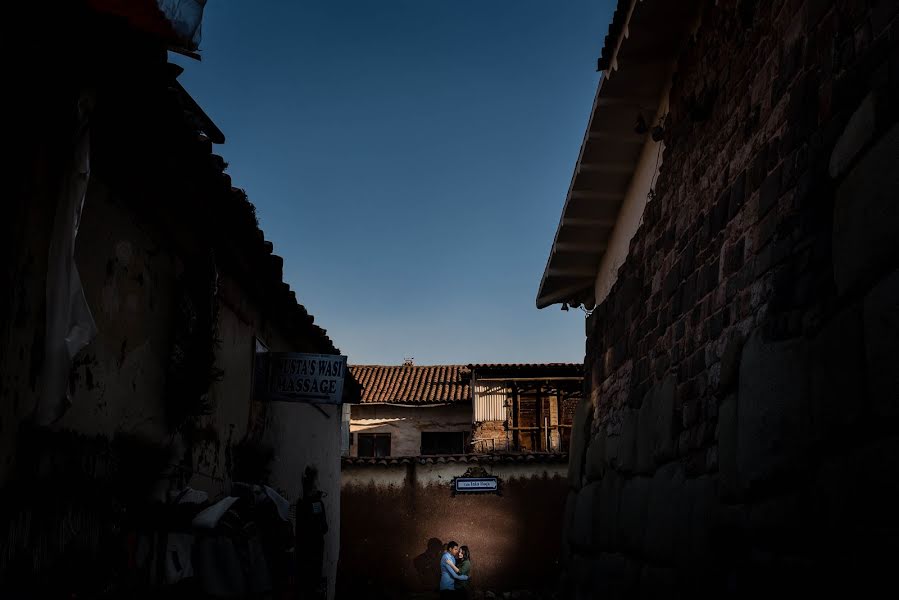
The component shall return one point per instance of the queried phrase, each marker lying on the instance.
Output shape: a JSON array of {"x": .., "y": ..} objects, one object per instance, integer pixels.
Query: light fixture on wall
[
  {"x": 588, "y": 312},
  {"x": 640, "y": 126},
  {"x": 658, "y": 132}
]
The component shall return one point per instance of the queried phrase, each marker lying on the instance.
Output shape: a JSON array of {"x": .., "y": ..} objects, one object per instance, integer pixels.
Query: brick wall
[
  {"x": 741, "y": 433},
  {"x": 490, "y": 436}
]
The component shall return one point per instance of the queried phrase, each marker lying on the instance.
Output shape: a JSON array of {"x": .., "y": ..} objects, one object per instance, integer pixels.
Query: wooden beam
[
  {"x": 538, "y": 413},
  {"x": 603, "y": 196},
  {"x": 579, "y": 247},
  {"x": 623, "y": 138},
  {"x": 572, "y": 272},
  {"x": 606, "y": 168},
  {"x": 588, "y": 222},
  {"x": 638, "y": 104},
  {"x": 546, "y": 380},
  {"x": 516, "y": 440}
]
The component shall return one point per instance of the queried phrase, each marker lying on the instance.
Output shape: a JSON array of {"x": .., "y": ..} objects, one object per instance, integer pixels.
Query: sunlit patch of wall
[{"x": 408, "y": 510}]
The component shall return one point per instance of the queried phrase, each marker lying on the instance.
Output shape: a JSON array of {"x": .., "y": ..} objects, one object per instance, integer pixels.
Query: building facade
[
  {"x": 524, "y": 407},
  {"x": 410, "y": 410},
  {"x": 731, "y": 227},
  {"x": 136, "y": 290},
  {"x": 417, "y": 429}
]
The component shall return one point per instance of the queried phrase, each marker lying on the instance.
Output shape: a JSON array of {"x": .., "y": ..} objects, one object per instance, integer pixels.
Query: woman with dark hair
[{"x": 464, "y": 565}]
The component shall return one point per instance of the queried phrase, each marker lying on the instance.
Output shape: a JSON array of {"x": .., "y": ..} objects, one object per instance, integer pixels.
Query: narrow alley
[{"x": 701, "y": 197}]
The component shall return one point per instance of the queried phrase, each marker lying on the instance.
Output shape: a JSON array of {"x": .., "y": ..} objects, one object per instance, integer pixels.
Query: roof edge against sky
[{"x": 636, "y": 62}]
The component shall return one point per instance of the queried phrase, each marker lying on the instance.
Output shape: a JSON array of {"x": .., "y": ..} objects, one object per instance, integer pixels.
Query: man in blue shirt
[{"x": 448, "y": 572}]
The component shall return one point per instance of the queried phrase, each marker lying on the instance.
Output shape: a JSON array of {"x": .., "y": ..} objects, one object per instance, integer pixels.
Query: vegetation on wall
[{"x": 192, "y": 367}]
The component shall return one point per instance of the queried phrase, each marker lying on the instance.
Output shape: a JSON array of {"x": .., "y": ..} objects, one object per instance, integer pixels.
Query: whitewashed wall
[{"x": 405, "y": 424}]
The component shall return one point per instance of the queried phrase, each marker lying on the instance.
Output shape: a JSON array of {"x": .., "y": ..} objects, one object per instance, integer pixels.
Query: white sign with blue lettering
[
  {"x": 476, "y": 484},
  {"x": 293, "y": 377}
]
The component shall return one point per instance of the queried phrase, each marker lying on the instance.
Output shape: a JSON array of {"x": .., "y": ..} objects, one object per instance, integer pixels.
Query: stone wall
[{"x": 741, "y": 433}]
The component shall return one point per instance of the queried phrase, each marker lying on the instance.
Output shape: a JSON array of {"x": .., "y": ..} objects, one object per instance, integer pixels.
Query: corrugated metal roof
[{"x": 412, "y": 384}]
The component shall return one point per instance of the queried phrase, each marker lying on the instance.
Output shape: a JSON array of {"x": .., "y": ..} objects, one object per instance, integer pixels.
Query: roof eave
[{"x": 610, "y": 150}]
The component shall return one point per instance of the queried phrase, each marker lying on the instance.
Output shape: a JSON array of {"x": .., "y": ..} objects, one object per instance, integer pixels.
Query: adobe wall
[
  {"x": 400, "y": 515},
  {"x": 741, "y": 431}
]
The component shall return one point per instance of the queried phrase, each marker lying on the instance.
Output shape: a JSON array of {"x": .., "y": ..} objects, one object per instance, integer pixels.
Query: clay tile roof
[
  {"x": 412, "y": 384},
  {"x": 613, "y": 37},
  {"x": 489, "y": 459}
]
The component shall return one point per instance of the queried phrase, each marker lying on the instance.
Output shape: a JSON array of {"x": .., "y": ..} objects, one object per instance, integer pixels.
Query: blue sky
[{"x": 409, "y": 160}]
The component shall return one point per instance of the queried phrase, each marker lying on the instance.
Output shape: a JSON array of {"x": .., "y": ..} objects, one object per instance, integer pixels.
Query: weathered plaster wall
[
  {"x": 129, "y": 269},
  {"x": 159, "y": 206},
  {"x": 129, "y": 283},
  {"x": 406, "y": 423},
  {"x": 740, "y": 436},
  {"x": 632, "y": 208},
  {"x": 409, "y": 512},
  {"x": 304, "y": 436},
  {"x": 298, "y": 434},
  {"x": 25, "y": 234}
]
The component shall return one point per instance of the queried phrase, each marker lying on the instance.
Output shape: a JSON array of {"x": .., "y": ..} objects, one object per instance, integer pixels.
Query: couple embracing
[{"x": 455, "y": 571}]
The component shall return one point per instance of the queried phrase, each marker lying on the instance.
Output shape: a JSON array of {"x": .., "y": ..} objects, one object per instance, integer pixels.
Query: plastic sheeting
[
  {"x": 186, "y": 18},
  {"x": 210, "y": 517},
  {"x": 70, "y": 325}
]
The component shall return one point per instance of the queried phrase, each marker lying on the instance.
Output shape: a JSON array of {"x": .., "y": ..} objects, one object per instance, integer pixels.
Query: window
[
  {"x": 443, "y": 442},
  {"x": 373, "y": 444}
]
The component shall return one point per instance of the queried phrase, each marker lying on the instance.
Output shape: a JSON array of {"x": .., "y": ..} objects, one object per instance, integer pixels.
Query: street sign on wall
[
  {"x": 295, "y": 377},
  {"x": 476, "y": 484}
]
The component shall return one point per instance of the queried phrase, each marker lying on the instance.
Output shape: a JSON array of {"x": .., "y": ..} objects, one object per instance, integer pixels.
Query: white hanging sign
[{"x": 295, "y": 377}]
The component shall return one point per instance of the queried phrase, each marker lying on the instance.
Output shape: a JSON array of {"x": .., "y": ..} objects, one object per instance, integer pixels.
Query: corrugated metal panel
[{"x": 489, "y": 402}]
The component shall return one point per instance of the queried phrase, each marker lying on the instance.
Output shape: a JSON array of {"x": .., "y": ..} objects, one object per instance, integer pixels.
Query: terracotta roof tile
[
  {"x": 541, "y": 457},
  {"x": 616, "y": 29},
  {"x": 412, "y": 384}
]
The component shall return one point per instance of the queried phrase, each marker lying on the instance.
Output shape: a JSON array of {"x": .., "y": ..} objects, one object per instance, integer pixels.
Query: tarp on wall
[{"x": 70, "y": 325}]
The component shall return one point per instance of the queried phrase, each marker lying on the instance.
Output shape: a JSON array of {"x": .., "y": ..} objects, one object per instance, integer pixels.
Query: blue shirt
[{"x": 447, "y": 574}]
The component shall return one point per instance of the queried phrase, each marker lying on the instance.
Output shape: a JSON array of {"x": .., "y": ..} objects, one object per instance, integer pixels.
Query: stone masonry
[{"x": 741, "y": 434}]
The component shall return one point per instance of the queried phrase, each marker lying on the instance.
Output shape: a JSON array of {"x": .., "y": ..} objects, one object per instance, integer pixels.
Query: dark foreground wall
[
  {"x": 742, "y": 437},
  {"x": 396, "y": 518}
]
